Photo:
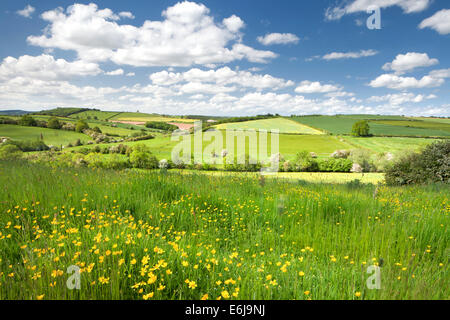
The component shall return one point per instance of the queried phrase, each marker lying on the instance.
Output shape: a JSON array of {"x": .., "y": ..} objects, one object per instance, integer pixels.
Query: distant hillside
[
  {"x": 63, "y": 112},
  {"x": 13, "y": 112}
]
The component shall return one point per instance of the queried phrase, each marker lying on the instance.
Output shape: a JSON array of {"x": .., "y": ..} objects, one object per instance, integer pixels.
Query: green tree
[
  {"x": 361, "y": 129},
  {"x": 27, "y": 121},
  {"x": 431, "y": 165},
  {"x": 53, "y": 123},
  {"x": 81, "y": 126},
  {"x": 142, "y": 158}
]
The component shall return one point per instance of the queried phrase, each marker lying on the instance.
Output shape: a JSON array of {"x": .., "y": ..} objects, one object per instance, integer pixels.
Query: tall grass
[{"x": 157, "y": 235}]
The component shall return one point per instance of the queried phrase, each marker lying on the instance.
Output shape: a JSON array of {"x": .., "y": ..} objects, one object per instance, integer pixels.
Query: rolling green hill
[
  {"x": 379, "y": 125},
  {"x": 282, "y": 124},
  {"x": 50, "y": 136}
]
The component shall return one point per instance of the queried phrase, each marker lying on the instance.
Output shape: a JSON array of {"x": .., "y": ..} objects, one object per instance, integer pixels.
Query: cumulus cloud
[
  {"x": 26, "y": 12},
  {"x": 45, "y": 67},
  {"x": 434, "y": 79},
  {"x": 117, "y": 72},
  {"x": 408, "y": 62},
  {"x": 234, "y": 23},
  {"x": 278, "y": 38},
  {"x": 126, "y": 14},
  {"x": 350, "y": 55},
  {"x": 222, "y": 77},
  {"x": 187, "y": 35},
  {"x": 315, "y": 87},
  {"x": 346, "y": 7},
  {"x": 440, "y": 22},
  {"x": 401, "y": 98}
]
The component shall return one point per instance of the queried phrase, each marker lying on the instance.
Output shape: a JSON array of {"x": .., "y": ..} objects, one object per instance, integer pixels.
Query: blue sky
[{"x": 226, "y": 57}]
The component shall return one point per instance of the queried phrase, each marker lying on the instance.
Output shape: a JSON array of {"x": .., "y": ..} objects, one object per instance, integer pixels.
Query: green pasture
[{"x": 50, "y": 136}]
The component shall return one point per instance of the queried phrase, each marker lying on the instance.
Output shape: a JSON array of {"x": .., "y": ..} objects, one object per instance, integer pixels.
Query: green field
[
  {"x": 150, "y": 235},
  {"x": 395, "y": 145},
  {"x": 282, "y": 124},
  {"x": 426, "y": 125},
  {"x": 381, "y": 125},
  {"x": 50, "y": 136}
]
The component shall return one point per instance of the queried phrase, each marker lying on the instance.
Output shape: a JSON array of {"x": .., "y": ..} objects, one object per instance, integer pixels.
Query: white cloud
[
  {"x": 26, "y": 12},
  {"x": 349, "y": 55},
  {"x": 234, "y": 23},
  {"x": 222, "y": 77},
  {"x": 45, "y": 67},
  {"x": 315, "y": 87},
  {"x": 434, "y": 79},
  {"x": 126, "y": 14},
  {"x": 117, "y": 72},
  {"x": 278, "y": 38},
  {"x": 130, "y": 74},
  {"x": 408, "y": 62},
  {"x": 440, "y": 74},
  {"x": 206, "y": 88},
  {"x": 401, "y": 98},
  {"x": 440, "y": 22},
  {"x": 187, "y": 35},
  {"x": 408, "y": 6}
]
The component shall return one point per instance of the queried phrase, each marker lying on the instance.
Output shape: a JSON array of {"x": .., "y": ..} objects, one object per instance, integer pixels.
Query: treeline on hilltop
[{"x": 63, "y": 112}]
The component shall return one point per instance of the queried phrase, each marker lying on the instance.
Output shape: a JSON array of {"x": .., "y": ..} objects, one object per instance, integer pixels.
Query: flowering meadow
[{"x": 162, "y": 235}]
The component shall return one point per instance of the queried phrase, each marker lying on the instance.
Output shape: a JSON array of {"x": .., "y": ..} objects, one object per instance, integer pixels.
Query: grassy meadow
[
  {"x": 282, "y": 124},
  {"x": 156, "y": 235},
  {"x": 379, "y": 125},
  {"x": 50, "y": 136}
]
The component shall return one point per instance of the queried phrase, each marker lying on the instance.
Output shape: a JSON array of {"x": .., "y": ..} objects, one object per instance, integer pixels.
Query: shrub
[
  {"x": 341, "y": 154},
  {"x": 364, "y": 159},
  {"x": 142, "y": 158},
  {"x": 431, "y": 165},
  {"x": 161, "y": 126},
  {"x": 81, "y": 126},
  {"x": 5, "y": 120},
  {"x": 361, "y": 129},
  {"x": 304, "y": 162},
  {"x": 77, "y": 143},
  {"x": 97, "y": 130},
  {"x": 383, "y": 161},
  {"x": 113, "y": 162},
  {"x": 335, "y": 165},
  {"x": 53, "y": 123},
  {"x": 68, "y": 127},
  {"x": 10, "y": 152},
  {"x": 29, "y": 146},
  {"x": 27, "y": 121}
]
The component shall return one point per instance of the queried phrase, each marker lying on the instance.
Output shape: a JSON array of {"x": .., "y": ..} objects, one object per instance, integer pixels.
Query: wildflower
[
  {"x": 358, "y": 294},
  {"x": 204, "y": 297},
  {"x": 225, "y": 294},
  {"x": 192, "y": 285},
  {"x": 40, "y": 297},
  {"x": 148, "y": 296},
  {"x": 301, "y": 274}
]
